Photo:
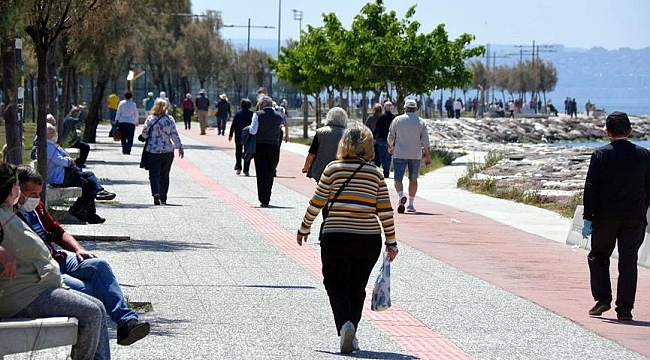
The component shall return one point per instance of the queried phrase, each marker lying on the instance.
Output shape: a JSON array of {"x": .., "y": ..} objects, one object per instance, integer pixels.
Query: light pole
[
  {"x": 248, "y": 42},
  {"x": 297, "y": 15}
]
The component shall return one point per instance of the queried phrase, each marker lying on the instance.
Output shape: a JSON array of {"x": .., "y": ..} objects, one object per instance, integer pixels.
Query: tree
[
  {"x": 45, "y": 21},
  {"x": 10, "y": 13}
]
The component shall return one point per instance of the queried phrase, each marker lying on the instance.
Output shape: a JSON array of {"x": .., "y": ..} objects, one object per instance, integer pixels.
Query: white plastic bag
[{"x": 381, "y": 292}]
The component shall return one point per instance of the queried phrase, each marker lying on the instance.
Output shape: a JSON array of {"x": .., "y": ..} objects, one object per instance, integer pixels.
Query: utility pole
[{"x": 248, "y": 43}]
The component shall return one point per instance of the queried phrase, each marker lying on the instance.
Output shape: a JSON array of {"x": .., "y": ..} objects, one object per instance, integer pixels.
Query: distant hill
[{"x": 612, "y": 79}]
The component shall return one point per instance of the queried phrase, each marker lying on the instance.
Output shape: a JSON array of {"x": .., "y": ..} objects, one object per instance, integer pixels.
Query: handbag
[
  {"x": 328, "y": 205},
  {"x": 144, "y": 158},
  {"x": 381, "y": 292},
  {"x": 117, "y": 136}
]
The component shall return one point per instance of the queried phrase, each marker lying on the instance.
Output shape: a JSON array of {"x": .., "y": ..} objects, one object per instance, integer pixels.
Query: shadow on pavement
[
  {"x": 156, "y": 245},
  {"x": 291, "y": 287},
  {"x": 125, "y": 182},
  {"x": 629, "y": 323},
  {"x": 365, "y": 354},
  {"x": 165, "y": 327}
]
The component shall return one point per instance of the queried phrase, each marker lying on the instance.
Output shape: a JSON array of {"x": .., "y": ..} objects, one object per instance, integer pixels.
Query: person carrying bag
[{"x": 351, "y": 234}]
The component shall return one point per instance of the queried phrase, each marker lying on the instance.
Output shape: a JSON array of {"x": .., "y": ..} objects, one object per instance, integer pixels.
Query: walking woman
[
  {"x": 162, "y": 138},
  {"x": 126, "y": 120},
  {"x": 30, "y": 279},
  {"x": 324, "y": 146},
  {"x": 358, "y": 207}
]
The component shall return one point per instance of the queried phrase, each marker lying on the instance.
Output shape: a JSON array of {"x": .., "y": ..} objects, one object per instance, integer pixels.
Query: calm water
[{"x": 596, "y": 144}]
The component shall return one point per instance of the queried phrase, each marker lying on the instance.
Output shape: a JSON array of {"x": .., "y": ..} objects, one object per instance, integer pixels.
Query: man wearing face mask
[{"x": 83, "y": 271}]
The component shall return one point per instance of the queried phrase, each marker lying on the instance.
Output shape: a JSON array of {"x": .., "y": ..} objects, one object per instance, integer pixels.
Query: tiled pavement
[{"x": 227, "y": 281}]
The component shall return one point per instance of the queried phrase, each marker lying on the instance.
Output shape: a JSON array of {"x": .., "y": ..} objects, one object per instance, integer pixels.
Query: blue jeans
[
  {"x": 384, "y": 157},
  {"x": 95, "y": 277},
  {"x": 400, "y": 165},
  {"x": 92, "y": 333},
  {"x": 127, "y": 131},
  {"x": 159, "y": 167}
]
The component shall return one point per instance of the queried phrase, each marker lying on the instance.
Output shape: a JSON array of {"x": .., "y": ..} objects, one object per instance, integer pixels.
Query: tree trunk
[
  {"x": 364, "y": 106},
  {"x": 92, "y": 119},
  {"x": 32, "y": 98},
  {"x": 14, "y": 150}
]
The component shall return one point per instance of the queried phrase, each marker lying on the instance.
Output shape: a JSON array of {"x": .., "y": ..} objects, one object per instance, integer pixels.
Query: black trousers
[
  {"x": 239, "y": 153},
  {"x": 84, "y": 149},
  {"x": 266, "y": 160},
  {"x": 187, "y": 118},
  {"x": 127, "y": 132},
  {"x": 348, "y": 260},
  {"x": 160, "y": 166},
  {"x": 630, "y": 235},
  {"x": 89, "y": 184}
]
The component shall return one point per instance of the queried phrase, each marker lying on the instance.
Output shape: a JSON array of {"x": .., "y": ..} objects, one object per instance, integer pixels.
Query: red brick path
[{"x": 545, "y": 272}]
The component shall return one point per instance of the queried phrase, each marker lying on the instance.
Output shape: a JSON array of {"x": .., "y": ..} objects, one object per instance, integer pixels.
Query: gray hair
[
  {"x": 337, "y": 116},
  {"x": 265, "y": 101}
]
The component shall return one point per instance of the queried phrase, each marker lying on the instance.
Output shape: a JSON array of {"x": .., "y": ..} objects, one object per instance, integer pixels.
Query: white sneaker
[
  {"x": 410, "y": 209},
  {"x": 347, "y": 338}
]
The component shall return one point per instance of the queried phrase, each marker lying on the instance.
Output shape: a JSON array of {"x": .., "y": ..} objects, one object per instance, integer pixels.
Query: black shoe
[
  {"x": 131, "y": 331},
  {"x": 79, "y": 215},
  {"x": 624, "y": 316},
  {"x": 156, "y": 199},
  {"x": 599, "y": 308},
  {"x": 246, "y": 173},
  {"x": 105, "y": 195},
  {"x": 400, "y": 207},
  {"x": 96, "y": 219},
  {"x": 264, "y": 205}
]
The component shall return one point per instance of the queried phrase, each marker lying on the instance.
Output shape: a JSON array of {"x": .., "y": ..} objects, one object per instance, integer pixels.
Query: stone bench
[
  {"x": 25, "y": 335},
  {"x": 574, "y": 237},
  {"x": 59, "y": 193}
]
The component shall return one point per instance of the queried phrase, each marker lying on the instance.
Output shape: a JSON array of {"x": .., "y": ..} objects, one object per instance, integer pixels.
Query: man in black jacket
[
  {"x": 223, "y": 113},
  {"x": 616, "y": 199}
]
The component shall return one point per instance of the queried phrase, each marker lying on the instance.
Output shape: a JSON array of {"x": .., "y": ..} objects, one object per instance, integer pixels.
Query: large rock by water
[{"x": 533, "y": 155}]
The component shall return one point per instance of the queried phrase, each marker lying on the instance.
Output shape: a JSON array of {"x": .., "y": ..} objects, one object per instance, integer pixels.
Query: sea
[{"x": 597, "y": 144}]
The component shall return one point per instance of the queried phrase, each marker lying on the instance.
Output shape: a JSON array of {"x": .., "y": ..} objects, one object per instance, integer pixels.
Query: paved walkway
[{"x": 476, "y": 277}]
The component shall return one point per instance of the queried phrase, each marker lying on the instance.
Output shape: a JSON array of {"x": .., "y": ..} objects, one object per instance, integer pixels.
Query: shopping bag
[
  {"x": 116, "y": 132},
  {"x": 381, "y": 292}
]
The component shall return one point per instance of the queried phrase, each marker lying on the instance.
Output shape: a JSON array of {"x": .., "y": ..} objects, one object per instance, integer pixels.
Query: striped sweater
[{"x": 361, "y": 203}]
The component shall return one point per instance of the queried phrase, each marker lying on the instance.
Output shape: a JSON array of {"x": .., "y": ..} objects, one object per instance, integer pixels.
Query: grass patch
[
  {"x": 440, "y": 157},
  {"x": 29, "y": 132},
  {"x": 138, "y": 306},
  {"x": 300, "y": 140},
  {"x": 520, "y": 193}
]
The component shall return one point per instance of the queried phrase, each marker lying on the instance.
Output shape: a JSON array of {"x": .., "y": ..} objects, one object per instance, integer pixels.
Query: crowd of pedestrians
[{"x": 350, "y": 165}]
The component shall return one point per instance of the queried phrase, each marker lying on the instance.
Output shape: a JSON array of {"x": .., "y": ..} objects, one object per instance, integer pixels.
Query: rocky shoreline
[{"x": 531, "y": 148}]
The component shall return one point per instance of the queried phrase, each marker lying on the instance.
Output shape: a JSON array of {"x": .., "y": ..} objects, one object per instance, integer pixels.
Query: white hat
[
  {"x": 163, "y": 94},
  {"x": 410, "y": 104},
  {"x": 150, "y": 94}
]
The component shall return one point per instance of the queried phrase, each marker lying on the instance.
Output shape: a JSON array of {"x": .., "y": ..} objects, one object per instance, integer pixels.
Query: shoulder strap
[
  {"x": 152, "y": 125},
  {"x": 330, "y": 203}
]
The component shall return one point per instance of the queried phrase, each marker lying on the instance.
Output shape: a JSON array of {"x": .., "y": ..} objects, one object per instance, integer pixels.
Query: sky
[{"x": 610, "y": 24}]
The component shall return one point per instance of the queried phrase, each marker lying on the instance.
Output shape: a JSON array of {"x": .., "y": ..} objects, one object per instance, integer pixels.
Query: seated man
[
  {"x": 61, "y": 171},
  {"x": 70, "y": 137},
  {"x": 83, "y": 271}
]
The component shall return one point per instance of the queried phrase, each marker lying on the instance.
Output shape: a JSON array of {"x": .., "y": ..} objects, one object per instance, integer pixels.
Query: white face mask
[
  {"x": 17, "y": 197},
  {"x": 55, "y": 138},
  {"x": 30, "y": 204}
]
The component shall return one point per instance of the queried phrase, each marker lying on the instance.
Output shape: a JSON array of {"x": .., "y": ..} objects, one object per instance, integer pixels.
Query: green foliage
[
  {"x": 379, "y": 51},
  {"x": 523, "y": 77},
  {"x": 492, "y": 158}
]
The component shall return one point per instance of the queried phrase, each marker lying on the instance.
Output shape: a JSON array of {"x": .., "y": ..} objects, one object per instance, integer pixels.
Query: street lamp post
[
  {"x": 297, "y": 15},
  {"x": 248, "y": 41}
]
